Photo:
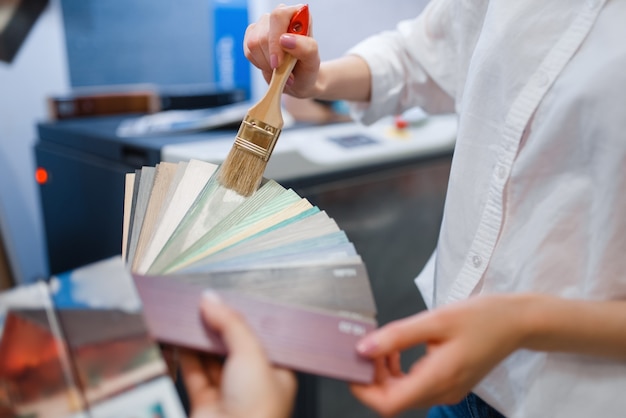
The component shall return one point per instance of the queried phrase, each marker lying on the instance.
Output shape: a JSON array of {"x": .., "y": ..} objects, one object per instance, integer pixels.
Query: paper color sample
[
  {"x": 144, "y": 179},
  {"x": 163, "y": 178},
  {"x": 312, "y": 341},
  {"x": 276, "y": 257},
  {"x": 196, "y": 175}
]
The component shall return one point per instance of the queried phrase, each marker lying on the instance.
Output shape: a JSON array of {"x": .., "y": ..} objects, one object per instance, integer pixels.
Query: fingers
[
  {"x": 443, "y": 376},
  {"x": 287, "y": 382},
  {"x": 399, "y": 393},
  {"x": 214, "y": 366},
  {"x": 287, "y": 379},
  {"x": 249, "y": 383},
  {"x": 198, "y": 386},
  {"x": 393, "y": 363},
  {"x": 266, "y": 43},
  {"x": 265, "y": 40},
  {"x": 278, "y": 23},
  {"x": 381, "y": 372},
  {"x": 255, "y": 44},
  {"x": 400, "y": 335},
  {"x": 170, "y": 356},
  {"x": 435, "y": 379}
]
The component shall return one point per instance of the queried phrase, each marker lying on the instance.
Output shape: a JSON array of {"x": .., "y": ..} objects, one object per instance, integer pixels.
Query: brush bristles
[{"x": 242, "y": 171}]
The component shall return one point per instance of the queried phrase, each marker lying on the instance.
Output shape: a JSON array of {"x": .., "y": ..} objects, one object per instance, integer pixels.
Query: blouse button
[
  {"x": 477, "y": 261},
  {"x": 501, "y": 172}
]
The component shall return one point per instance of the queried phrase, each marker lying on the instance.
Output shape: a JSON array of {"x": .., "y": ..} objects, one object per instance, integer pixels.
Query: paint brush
[{"x": 243, "y": 168}]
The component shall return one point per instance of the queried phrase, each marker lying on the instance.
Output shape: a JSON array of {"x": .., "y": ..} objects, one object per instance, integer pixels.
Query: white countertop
[{"x": 310, "y": 151}]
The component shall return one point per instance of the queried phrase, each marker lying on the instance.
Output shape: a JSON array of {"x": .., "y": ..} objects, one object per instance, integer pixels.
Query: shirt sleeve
[
  {"x": 412, "y": 66},
  {"x": 425, "y": 281}
]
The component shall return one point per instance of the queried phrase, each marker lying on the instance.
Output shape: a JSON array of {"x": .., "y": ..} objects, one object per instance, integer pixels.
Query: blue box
[{"x": 231, "y": 67}]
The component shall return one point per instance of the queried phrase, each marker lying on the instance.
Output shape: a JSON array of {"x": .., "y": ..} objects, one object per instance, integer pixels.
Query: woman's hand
[
  {"x": 464, "y": 341},
  {"x": 266, "y": 43},
  {"x": 245, "y": 384}
]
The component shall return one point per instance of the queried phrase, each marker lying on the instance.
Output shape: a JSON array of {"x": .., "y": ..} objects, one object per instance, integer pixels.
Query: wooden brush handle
[{"x": 268, "y": 109}]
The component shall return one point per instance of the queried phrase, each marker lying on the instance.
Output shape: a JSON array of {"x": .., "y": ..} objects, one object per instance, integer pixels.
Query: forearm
[
  {"x": 576, "y": 326},
  {"x": 346, "y": 78}
]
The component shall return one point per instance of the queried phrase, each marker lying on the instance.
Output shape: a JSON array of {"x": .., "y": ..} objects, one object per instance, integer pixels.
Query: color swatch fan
[{"x": 279, "y": 260}]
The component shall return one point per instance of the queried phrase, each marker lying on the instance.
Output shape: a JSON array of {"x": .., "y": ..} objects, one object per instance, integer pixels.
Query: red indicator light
[
  {"x": 401, "y": 123},
  {"x": 41, "y": 175}
]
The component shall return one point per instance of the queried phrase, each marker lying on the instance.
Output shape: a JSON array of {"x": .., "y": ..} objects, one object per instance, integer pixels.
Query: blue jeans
[{"x": 470, "y": 407}]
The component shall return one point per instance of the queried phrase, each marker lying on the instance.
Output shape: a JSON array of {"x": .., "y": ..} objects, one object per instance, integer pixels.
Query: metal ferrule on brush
[{"x": 257, "y": 137}]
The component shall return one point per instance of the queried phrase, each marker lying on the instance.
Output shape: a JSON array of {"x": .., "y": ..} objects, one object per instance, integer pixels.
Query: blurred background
[
  {"x": 81, "y": 43},
  {"x": 392, "y": 213}
]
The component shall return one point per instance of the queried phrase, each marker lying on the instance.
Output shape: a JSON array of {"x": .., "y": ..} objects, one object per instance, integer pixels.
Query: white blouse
[{"x": 537, "y": 193}]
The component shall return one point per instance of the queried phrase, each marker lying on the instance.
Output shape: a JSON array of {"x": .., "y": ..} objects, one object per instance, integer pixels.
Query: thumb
[{"x": 236, "y": 334}]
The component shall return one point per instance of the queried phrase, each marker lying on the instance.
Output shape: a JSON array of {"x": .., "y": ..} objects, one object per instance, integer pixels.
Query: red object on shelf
[
  {"x": 41, "y": 175},
  {"x": 401, "y": 123}
]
